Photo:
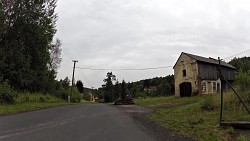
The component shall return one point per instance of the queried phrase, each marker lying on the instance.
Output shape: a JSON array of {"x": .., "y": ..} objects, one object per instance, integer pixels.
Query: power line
[
  {"x": 70, "y": 57},
  {"x": 236, "y": 54},
  {"x": 126, "y": 69},
  {"x": 68, "y": 53}
]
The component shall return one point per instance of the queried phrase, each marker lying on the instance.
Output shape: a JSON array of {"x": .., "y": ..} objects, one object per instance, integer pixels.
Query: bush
[
  {"x": 208, "y": 104},
  {"x": 7, "y": 94},
  {"x": 75, "y": 97},
  {"x": 243, "y": 80},
  {"x": 86, "y": 96},
  {"x": 62, "y": 94}
]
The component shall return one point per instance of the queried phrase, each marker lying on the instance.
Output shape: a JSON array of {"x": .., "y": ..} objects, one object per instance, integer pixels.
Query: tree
[
  {"x": 242, "y": 64},
  {"x": 29, "y": 27},
  {"x": 108, "y": 87},
  {"x": 55, "y": 55},
  {"x": 124, "y": 90},
  {"x": 117, "y": 90},
  {"x": 243, "y": 75},
  {"x": 79, "y": 86},
  {"x": 65, "y": 83}
]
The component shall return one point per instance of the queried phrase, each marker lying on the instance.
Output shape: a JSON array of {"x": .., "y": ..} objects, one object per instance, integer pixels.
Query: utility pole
[
  {"x": 221, "y": 88},
  {"x": 73, "y": 76}
]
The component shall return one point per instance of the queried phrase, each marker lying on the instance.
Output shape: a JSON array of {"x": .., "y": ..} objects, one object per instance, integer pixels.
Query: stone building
[{"x": 196, "y": 74}]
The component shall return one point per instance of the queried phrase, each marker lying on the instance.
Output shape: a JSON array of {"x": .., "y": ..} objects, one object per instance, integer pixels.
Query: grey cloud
[{"x": 147, "y": 33}]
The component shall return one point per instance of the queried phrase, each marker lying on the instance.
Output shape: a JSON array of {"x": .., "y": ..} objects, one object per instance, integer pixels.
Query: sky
[{"x": 129, "y": 36}]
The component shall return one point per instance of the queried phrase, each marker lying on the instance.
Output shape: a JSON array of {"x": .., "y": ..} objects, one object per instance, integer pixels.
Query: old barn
[{"x": 196, "y": 74}]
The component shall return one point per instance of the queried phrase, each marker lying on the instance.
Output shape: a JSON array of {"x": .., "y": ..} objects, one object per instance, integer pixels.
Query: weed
[
  {"x": 208, "y": 104},
  {"x": 230, "y": 130},
  {"x": 7, "y": 94},
  {"x": 242, "y": 138}
]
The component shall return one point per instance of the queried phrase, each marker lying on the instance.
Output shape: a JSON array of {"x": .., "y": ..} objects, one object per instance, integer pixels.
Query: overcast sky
[{"x": 137, "y": 34}]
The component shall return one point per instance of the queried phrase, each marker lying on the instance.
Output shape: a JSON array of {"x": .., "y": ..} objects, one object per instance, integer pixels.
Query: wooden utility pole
[
  {"x": 73, "y": 76},
  {"x": 221, "y": 87}
]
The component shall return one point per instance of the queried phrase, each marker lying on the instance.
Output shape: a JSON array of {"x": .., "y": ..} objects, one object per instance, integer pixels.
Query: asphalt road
[{"x": 93, "y": 122}]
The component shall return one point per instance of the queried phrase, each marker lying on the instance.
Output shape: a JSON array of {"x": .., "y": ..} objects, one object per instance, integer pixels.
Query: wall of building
[
  {"x": 210, "y": 86},
  {"x": 185, "y": 63}
]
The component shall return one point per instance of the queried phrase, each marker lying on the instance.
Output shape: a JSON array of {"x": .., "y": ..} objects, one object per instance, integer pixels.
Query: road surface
[{"x": 93, "y": 122}]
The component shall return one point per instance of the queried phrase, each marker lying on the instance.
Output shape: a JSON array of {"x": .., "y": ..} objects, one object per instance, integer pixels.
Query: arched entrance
[{"x": 185, "y": 89}]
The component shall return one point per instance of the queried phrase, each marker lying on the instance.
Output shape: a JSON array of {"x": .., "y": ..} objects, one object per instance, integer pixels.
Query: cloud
[{"x": 147, "y": 33}]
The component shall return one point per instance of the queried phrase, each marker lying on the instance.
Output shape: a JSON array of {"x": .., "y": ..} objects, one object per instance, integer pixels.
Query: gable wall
[{"x": 185, "y": 63}]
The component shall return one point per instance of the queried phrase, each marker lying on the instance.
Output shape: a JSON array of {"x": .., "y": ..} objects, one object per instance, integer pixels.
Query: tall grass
[
  {"x": 197, "y": 116},
  {"x": 37, "y": 97},
  {"x": 233, "y": 108}
]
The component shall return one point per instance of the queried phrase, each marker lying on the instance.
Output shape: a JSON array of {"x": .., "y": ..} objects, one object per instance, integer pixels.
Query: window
[
  {"x": 214, "y": 87},
  {"x": 184, "y": 73},
  {"x": 203, "y": 84}
]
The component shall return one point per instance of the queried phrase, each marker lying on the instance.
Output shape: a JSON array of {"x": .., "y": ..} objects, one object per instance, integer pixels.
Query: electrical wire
[
  {"x": 127, "y": 69},
  {"x": 236, "y": 54}
]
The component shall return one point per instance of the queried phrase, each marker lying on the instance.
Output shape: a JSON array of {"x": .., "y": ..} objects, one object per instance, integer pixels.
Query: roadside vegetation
[
  {"x": 12, "y": 101},
  {"x": 196, "y": 117}
]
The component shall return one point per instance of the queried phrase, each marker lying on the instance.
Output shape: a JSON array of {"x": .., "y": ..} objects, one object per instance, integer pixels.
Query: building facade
[{"x": 196, "y": 74}]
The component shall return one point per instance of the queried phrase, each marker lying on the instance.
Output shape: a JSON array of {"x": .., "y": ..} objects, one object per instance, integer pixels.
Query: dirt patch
[{"x": 159, "y": 133}]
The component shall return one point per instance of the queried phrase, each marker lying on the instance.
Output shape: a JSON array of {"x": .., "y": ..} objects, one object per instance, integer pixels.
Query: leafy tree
[
  {"x": 79, "y": 86},
  {"x": 242, "y": 64},
  {"x": 29, "y": 27},
  {"x": 243, "y": 75},
  {"x": 65, "y": 83},
  {"x": 108, "y": 87},
  {"x": 55, "y": 55}
]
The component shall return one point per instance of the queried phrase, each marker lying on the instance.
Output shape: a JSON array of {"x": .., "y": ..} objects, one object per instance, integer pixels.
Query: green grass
[
  {"x": 29, "y": 102},
  {"x": 164, "y": 101},
  {"x": 197, "y": 117},
  {"x": 23, "y": 107}
]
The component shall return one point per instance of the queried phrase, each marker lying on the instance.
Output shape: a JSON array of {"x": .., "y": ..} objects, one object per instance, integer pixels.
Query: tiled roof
[{"x": 209, "y": 60}]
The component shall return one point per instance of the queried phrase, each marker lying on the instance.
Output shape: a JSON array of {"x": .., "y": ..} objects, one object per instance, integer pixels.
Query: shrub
[
  {"x": 63, "y": 94},
  {"x": 86, "y": 96},
  {"x": 230, "y": 130},
  {"x": 208, "y": 104},
  {"x": 7, "y": 94},
  {"x": 242, "y": 138},
  {"x": 75, "y": 97}
]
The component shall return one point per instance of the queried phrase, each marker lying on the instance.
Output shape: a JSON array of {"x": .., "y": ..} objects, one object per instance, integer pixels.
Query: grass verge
[
  {"x": 29, "y": 102},
  {"x": 196, "y": 117},
  {"x": 24, "y": 107}
]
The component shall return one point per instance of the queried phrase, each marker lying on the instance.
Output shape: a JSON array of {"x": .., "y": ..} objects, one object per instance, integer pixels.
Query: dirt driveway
[{"x": 140, "y": 114}]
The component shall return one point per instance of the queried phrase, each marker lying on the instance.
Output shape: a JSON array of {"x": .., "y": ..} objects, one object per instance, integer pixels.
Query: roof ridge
[{"x": 209, "y": 60}]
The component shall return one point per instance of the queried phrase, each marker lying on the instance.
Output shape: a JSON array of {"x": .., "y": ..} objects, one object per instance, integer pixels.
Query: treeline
[
  {"x": 29, "y": 58},
  {"x": 243, "y": 72},
  {"x": 113, "y": 89}
]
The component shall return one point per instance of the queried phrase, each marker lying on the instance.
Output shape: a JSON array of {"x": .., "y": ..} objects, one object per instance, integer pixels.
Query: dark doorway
[{"x": 185, "y": 89}]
